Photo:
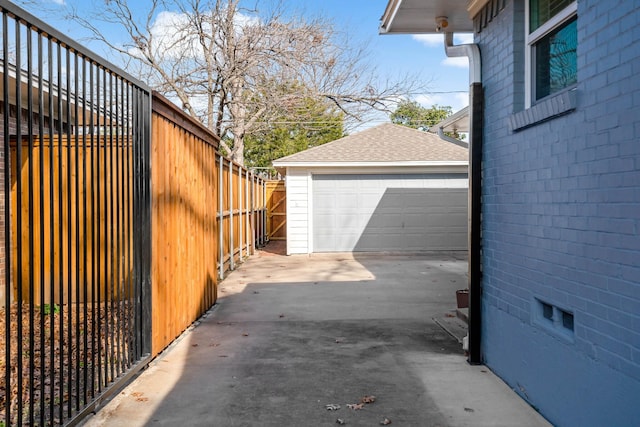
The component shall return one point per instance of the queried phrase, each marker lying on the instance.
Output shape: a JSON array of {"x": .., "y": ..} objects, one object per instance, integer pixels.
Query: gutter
[
  {"x": 476, "y": 119},
  {"x": 452, "y": 140}
]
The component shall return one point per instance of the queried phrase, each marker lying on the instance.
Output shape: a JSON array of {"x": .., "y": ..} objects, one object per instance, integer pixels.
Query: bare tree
[{"x": 233, "y": 67}]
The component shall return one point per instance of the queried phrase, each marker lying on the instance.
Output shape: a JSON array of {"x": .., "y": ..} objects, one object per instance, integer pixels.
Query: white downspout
[{"x": 476, "y": 101}]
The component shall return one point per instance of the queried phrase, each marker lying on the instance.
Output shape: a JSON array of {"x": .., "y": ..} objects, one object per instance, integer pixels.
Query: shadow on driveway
[{"x": 293, "y": 334}]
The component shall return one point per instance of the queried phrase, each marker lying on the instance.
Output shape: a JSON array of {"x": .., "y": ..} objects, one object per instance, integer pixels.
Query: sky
[
  {"x": 394, "y": 55},
  {"x": 447, "y": 78}
]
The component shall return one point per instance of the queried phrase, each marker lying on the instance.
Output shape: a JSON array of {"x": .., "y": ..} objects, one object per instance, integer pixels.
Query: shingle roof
[{"x": 387, "y": 142}]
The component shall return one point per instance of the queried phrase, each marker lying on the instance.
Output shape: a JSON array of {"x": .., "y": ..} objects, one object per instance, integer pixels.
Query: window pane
[
  {"x": 540, "y": 11},
  {"x": 556, "y": 60}
]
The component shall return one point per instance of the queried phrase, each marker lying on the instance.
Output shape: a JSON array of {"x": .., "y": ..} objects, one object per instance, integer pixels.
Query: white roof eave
[
  {"x": 419, "y": 16},
  {"x": 457, "y": 121}
]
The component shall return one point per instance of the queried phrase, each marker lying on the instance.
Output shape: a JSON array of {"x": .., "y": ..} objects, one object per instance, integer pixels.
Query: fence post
[
  {"x": 246, "y": 217},
  {"x": 220, "y": 219},
  {"x": 264, "y": 212},
  {"x": 232, "y": 251},
  {"x": 241, "y": 204},
  {"x": 254, "y": 213},
  {"x": 142, "y": 221}
]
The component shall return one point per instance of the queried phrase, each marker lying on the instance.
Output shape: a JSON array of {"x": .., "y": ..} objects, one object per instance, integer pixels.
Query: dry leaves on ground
[{"x": 50, "y": 351}]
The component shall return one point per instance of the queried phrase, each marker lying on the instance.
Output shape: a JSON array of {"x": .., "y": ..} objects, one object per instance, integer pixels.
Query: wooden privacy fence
[
  {"x": 75, "y": 169},
  {"x": 208, "y": 214},
  {"x": 276, "y": 210}
]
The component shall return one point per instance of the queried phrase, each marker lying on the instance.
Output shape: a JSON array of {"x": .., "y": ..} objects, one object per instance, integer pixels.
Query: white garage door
[{"x": 368, "y": 213}]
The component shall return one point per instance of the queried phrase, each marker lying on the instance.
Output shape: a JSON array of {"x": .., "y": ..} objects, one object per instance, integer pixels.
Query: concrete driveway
[{"x": 293, "y": 334}]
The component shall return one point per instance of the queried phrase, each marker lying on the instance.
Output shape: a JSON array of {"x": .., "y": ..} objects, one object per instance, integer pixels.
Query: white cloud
[
  {"x": 459, "y": 61},
  {"x": 463, "y": 100},
  {"x": 463, "y": 38},
  {"x": 173, "y": 36},
  {"x": 437, "y": 40},
  {"x": 430, "y": 40},
  {"x": 455, "y": 100},
  {"x": 428, "y": 100},
  {"x": 60, "y": 2}
]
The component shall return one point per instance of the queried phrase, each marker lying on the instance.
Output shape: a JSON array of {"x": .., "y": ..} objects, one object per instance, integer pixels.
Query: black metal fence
[{"x": 74, "y": 224}]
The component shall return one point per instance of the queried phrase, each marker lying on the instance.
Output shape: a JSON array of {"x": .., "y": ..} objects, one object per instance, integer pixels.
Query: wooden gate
[{"x": 276, "y": 210}]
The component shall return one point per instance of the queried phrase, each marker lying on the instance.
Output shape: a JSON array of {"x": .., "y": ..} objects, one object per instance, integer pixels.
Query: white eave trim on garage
[
  {"x": 377, "y": 165},
  {"x": 374, "y": 168}
]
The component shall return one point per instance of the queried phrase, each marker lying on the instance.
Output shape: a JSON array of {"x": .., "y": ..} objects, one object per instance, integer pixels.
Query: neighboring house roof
[{"x": 386, "y": 143}]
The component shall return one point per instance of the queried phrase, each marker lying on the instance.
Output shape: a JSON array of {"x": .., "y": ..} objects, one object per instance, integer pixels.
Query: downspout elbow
[{"x": 471, "y": 51}]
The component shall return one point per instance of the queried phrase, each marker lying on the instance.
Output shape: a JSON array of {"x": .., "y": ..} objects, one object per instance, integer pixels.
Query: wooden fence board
[
  {"x": 62, "y": 271},
  {"x": 276, "y": 210}
]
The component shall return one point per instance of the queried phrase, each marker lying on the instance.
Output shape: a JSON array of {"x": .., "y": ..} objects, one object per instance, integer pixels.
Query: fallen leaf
[
  {"x": 256, "y": 292},
  {"x": 355, "y": 406},
  {"x": 385, "y": 422},
  {"x": 368, "y": 399},
  {"x": 469, "y": 410},
  {"x": 332, "y": 407},
  {"x": 244, "y": 334},
  {"x": 341, "y": 421},
  {"x": 194, "y": 345},
  {"x": 137, "y": 394},
  {"x": 281, "y": 315}
]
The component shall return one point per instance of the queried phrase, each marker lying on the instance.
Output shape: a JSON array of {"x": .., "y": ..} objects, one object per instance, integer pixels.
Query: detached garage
[{"x": 388, "y": 188}]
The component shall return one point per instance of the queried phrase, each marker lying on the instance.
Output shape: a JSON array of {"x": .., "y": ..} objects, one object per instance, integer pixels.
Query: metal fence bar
[
  {"x": 69, "y": 252},
  {"x": 18, "y": 237},
  {"x": 52, "y": 246},
  {"x": 7, "y": 203},
  {"x": 41, "y": 185},
  {"x": 95, "y": 272},
  {"x": 85, "y": 248},
  {"x": 76, "y": 185}
]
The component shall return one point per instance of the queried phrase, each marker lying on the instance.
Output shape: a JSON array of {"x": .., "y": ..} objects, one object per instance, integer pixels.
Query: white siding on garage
[
  {"x": 365, "y": 213},
  {"x": 298, "y": 200}
]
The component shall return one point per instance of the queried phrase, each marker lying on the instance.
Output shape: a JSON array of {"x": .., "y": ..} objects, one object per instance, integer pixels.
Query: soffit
[{"x": 419, "y": 16}]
